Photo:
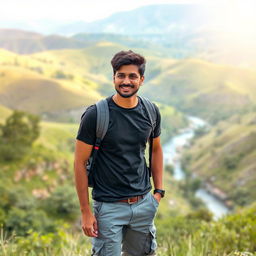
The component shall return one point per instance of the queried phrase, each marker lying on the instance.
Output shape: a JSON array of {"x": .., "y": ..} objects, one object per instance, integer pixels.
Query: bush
[
  {"x": 61, "y": 75},
  {"x": 231, "y": 162},
  {"x": 21, "y": 221},
  {"x": 63, "y": 202},
  {"x": 17, "y": 135}
]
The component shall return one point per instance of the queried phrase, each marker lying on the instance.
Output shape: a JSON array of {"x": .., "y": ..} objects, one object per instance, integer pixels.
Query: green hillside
[
  {"x": 38, "y": 87},
  {"x": 204, "y": 89},
  {"x": 225, "y": 159},
  {"x": 196, "y": 87},
  {"x": 24, "y": 90}
]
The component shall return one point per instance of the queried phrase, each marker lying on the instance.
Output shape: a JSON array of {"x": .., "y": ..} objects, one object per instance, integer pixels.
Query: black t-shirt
[{"x": 120, "y": 170}]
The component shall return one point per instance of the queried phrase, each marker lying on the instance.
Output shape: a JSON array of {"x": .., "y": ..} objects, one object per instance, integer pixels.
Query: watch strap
[{"x": 160, "y": 191}]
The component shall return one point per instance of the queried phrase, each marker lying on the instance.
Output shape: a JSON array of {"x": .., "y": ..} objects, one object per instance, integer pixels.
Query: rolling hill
[
  {"x": 37, "y": 94},
  {"x": 24, "y": 42},
  {"x": 38, "y": 87},
  {"x": 225, "y": 158},
  {"x": 194, "y": 86},
  {"x": 204, "y": 89}
]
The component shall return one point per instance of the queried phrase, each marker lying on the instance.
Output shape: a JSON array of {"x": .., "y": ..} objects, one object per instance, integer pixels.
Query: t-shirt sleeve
[
  {"x": 87, "y": 128},
  {"x": 157, "y": 130}
]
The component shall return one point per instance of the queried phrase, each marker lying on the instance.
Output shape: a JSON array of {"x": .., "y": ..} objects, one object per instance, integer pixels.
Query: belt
[{"x": 131, "y": 200}]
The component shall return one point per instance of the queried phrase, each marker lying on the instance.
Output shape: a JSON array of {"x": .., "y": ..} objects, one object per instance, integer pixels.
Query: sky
[{"x": 74, "y": 10}]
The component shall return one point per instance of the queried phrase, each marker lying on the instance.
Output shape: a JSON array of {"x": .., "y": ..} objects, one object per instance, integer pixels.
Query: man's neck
[{"x": 130, "y": 102}]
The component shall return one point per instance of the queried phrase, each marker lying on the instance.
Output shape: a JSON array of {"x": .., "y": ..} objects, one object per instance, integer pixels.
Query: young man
[{"x": 124, "y": 207}]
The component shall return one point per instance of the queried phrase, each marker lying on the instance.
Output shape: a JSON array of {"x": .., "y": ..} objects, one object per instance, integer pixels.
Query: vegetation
[
  {"x": 225, "y": 159},
  {"x": 39, "y": 208},
  {"x": 194, "y": 235},
  {"x": 17, "y": 135}
]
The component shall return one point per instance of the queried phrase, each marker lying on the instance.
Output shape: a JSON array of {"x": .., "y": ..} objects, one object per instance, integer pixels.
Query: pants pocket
[
  {"x": 150, "y": 244},
  {"x": 98, "y": 247},
  {"x": 155, "y": 202}
]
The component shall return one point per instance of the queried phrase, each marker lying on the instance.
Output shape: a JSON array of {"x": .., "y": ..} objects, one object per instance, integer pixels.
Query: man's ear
[{"x": 142, "y": 80}]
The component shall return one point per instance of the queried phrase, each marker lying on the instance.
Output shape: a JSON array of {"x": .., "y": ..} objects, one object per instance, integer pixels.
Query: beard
[{"x": 126, "y": 95}]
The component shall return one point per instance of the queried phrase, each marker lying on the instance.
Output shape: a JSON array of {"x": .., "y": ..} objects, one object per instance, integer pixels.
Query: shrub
[
  {"x": 21, "y": 221},
  {"x": 17, "y": 135},
  {"x": 63, "y": 202}
]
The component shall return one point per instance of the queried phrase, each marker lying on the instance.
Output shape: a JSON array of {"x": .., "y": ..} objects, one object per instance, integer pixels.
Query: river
[{"x": 172, "y": 155}]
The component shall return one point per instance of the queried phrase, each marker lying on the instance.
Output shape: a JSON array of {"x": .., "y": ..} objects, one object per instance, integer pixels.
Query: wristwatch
[{"x": 160, "y": 191}]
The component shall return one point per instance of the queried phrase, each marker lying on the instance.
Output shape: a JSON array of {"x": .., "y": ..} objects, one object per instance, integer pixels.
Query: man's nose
[{"x": 126, "y": 80}]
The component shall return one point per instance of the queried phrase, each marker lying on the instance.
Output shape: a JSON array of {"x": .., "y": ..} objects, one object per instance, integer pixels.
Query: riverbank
[{"x": 172, "y": 155}]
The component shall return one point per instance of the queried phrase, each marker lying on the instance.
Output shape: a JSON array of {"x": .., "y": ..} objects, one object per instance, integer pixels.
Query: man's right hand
[{"x": 89, "y": 224}]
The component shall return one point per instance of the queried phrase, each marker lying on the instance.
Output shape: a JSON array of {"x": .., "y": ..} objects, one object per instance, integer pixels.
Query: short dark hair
[{"x": 128, "y": 58}]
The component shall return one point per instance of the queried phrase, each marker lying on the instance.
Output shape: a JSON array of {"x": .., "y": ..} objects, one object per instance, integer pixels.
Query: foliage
[
  {"x": 199, "y": 132},
  {"x": 17, "y": 135},
  {"x": 63, "y": 202},
  {"x": 19, "y": 212},
  {"x": 233, "y": 235},
  {"x": 225, "y": 157},
  {"x": 21, "y": 221},
  {"x": 188, "y": 187},
  {"x": 194, "y": 235},
  {"x": 61, "y": 75}
]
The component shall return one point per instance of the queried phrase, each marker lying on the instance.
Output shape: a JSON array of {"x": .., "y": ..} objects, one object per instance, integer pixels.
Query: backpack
[{"x": 102, "y": 127}]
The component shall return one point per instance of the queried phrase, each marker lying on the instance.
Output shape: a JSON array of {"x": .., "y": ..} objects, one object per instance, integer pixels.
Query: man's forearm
[
  {"x": 157, "y": 168},
  {"x": 81, "y": 180}
]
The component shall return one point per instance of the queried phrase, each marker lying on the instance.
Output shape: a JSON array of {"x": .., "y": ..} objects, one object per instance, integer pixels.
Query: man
[{"x": 124, "y": 207}]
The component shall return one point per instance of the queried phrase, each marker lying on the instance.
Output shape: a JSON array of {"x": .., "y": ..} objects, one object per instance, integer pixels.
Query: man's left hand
[{"x": 158, "y": 197}]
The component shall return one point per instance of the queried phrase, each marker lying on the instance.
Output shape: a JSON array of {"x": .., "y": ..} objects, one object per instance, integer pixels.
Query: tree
[{"x": 17, "y": 135}]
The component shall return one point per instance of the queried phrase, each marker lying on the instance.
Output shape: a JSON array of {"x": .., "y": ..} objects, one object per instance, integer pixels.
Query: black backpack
[{"x": 102, "y": 127}]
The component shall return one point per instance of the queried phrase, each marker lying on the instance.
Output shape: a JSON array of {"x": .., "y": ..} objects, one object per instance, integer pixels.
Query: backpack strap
[
  {"x": 151, "y": 112},
  {"x": 102, "y": 119},
  {"x": 102, "y": 123}
]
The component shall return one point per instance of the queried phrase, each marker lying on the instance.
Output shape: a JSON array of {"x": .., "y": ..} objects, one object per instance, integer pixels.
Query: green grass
[
  {"x": 233, "y": 235},
  {"x": 58, "y": 136}
]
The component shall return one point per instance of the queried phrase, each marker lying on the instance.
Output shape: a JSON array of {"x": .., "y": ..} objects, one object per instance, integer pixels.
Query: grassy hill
[
  {"x": 204, "y": 89},
  {"x": 38, "y": 87},
  {"x": 225, "y": 158},
  {"x": 194, "y": 86},
  {"x": 24, "y": 90},
  {"x": 199, "y": 88}
]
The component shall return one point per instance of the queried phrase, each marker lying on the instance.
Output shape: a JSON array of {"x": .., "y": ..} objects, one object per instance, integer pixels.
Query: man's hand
[
  {"x": 158, "y": 197},
  {"x": 89, "y": 224}
]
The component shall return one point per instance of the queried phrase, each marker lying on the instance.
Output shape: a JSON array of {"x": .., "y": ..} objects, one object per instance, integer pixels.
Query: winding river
[{"x": 172, "y": 154}]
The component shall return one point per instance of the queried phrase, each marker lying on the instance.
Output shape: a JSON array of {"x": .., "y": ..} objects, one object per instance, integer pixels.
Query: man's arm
[
  {"x": 157, "y": 166},
  {"x": 82, "y": 154}
]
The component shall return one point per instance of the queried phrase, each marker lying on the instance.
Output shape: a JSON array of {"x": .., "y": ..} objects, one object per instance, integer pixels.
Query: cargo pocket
[
  {"x": 151, "y": 245},
  {"x": 98, "y": 247}
]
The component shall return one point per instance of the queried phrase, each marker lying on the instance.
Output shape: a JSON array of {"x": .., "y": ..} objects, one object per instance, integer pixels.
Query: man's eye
[
  {"x": 121, "y": 76},
  {"x": 133, "y": 76}
]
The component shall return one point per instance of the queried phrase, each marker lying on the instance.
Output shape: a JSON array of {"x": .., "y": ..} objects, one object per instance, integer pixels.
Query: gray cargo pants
[{"x": 125, "y": 229}]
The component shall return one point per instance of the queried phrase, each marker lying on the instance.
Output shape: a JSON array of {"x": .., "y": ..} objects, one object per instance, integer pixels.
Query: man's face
[{"x": 128, "y": 80}]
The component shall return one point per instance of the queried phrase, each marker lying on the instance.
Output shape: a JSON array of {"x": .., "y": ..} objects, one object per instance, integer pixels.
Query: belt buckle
[{"x": 129, "y": 201}]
